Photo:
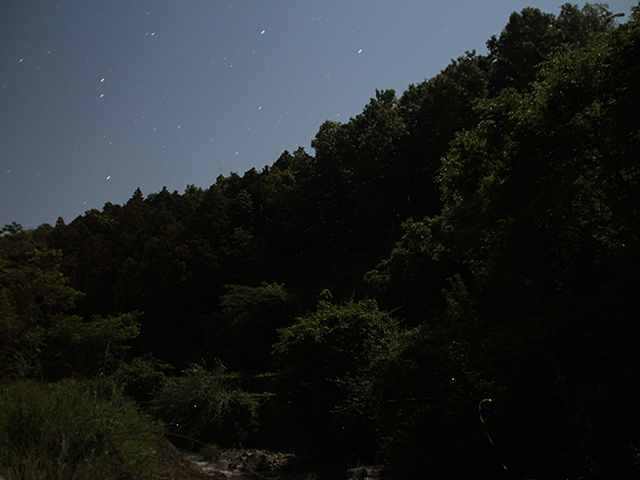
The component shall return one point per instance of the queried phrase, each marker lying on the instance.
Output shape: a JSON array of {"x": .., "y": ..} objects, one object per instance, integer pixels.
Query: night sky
[{"x": 98, "y": 98}]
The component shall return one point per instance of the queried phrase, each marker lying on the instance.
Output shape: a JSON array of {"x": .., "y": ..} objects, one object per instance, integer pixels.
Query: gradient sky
[{"x": 98, "y": 98}]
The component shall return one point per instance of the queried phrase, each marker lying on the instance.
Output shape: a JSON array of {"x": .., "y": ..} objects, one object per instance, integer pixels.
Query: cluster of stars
[{"x": 133, "y": 86}]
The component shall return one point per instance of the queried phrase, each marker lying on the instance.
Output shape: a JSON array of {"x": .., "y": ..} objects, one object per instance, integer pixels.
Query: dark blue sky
[{"x": 100, "y": 97}]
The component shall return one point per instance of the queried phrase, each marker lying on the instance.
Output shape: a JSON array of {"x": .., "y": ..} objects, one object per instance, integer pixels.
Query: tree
[
  {"x": 410, "y": 281},
  {"x": 89, "y": 348},
  {"x": 524, "y": 43},
  {"x": 579, "y": 27},
  {"x": 433, "y": 111},
  {"x": 137, "y": 195},
  {"x": 244, "y": 330},
  {"x": 37, "y": 336},
  {"x": 554, "y": 164},
  {"x": 354, "y": 183},
  {"x": 323, "y": 360},
  {"x": 531, "y": 37},
  {"x": 540, "y": 203},
  {"x": 33, "y": 292},
  {"x": 424, "y": 396}
]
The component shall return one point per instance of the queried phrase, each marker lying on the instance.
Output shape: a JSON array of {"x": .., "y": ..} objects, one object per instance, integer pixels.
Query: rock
[
  {"x": 364, "y": 473},
  {"x": 267, "y": 465},
  {"x": 257, "y": 462}
]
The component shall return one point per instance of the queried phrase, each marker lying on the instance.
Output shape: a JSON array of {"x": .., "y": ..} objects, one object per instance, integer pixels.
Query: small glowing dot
[
  {"x": 101, "y": 95},
  {"x": 260, "y": 107},
  {"x": 102, "y": 80},
  {"x": 360, "y": 51},
  {"x": 108, "y": 177},
  {"x": 261, "y": 33}
]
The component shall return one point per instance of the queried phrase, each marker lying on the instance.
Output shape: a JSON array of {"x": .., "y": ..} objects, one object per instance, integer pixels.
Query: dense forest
[{"x": 448, "y": 287}]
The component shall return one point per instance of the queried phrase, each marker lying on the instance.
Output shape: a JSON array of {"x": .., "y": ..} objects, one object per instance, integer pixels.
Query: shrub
[
  {"x": 206, "y": 406},
  {"x": 324, "y": 386},
  {"x": 143, "y": 377}
]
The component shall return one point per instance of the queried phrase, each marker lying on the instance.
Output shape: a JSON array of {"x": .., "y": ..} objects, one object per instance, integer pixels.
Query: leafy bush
[
  {"x": 247, "y": 325},
  {"x": 88, "y": 347},
  {"x": 143, "y": 377},
  {"x": 324, "y": 360},
  {"x": 76, "y": 430},
  {"x": 206, "y": 406}
]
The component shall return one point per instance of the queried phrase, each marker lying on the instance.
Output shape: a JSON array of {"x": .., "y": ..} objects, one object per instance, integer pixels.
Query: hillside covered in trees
[{"x": 449, "y": 287}]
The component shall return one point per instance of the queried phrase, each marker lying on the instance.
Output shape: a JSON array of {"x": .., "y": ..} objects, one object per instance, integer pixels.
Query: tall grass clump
[{"x": 75, "y": 429}]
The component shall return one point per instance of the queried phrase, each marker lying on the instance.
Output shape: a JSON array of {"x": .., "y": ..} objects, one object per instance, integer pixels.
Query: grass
[{"x": 75, "y": 430}]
